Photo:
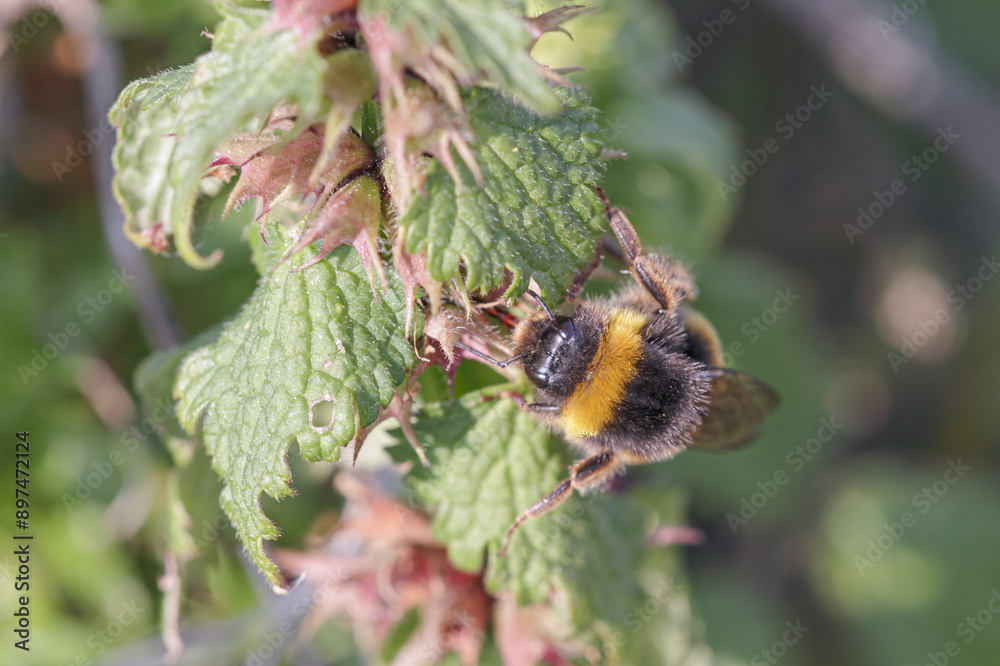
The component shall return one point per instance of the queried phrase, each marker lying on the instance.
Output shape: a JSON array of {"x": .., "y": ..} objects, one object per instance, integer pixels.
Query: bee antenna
[
  {"x": 542, "y": 303},
  {"x": 487, "y": 357}
]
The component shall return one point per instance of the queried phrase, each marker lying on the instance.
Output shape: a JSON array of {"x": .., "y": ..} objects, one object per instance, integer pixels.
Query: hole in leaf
[{"x": 322, "y": 413}]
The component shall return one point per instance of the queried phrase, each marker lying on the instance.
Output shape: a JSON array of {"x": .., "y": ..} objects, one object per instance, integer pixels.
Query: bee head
[{"x": 554, "y": 349}]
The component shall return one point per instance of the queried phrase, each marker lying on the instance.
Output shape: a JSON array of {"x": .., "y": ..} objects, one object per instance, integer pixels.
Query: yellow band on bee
[{"x": 592, "y": 406}]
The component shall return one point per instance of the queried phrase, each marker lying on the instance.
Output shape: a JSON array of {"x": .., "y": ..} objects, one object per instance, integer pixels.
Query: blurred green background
[{"x": 867, "y": 515}]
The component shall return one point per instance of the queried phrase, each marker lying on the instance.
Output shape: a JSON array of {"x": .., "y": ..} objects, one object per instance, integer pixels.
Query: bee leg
[
  {"x": 533, "y": 407},
  {"x": 542, "y": 506},
  {"x": 665, "y": 280},
  {"x": 586, "y": 474},
  {"x": 539, "y": 408},
  {"x": 626, "y": 234}
]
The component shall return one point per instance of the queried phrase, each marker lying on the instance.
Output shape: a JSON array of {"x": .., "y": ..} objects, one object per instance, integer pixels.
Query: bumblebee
[{"x": 633, "y": 379}]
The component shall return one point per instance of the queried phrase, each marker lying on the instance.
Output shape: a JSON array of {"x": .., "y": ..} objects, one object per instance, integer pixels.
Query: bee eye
[
  {"x": 538, "y": 378},
  {"x": 567, "y": 330}
]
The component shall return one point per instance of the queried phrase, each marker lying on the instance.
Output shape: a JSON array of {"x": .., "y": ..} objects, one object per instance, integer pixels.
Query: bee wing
[{"x": 739, "y": 404}]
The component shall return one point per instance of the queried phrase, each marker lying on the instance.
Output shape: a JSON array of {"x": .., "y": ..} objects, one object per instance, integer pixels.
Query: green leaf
[
  {"x": 164, "y": 149},
  {"x": 264, "y": 255},
  {"x": 485, "y": 36},
  {"x": 235, "y": 90},
  {"x": 693, "y": 146},
  {"x": 154, "y": 381},
  {"x": 201, "y": 535},
  {"x": 239, "y": 19},
  {"x": 166, "y": 85},
  {"x": 489, "y": 461},
  {"x": 371, "y": 122},
  {"x": 146, "y": 118},
  {"x": 317, "y": 336},
  {"x": 537, "y": 213}
]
